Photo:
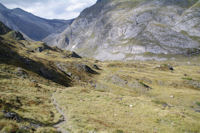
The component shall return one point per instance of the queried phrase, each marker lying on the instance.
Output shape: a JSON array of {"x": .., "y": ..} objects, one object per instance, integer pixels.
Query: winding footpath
[{"x": 63, "y": 119}]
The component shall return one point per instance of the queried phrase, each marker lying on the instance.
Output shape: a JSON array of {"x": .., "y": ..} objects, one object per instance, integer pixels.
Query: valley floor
[
  {"x": 124, "y": 97},
  {"x": 149, "y": 97}
]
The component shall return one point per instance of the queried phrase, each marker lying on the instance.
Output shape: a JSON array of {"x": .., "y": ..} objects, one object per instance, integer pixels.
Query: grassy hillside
[
  {"x": 47, "y": 90},
  {"x": 29, "y": 74}
]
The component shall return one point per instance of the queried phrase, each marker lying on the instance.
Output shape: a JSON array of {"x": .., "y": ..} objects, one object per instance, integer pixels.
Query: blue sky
[{"x": 51, "y": 9}]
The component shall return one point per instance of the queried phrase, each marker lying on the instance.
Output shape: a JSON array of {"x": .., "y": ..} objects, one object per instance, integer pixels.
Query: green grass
[
  {"x": 198, "y": 103},
  {"x": 159, "y": 102},
  {"x": 187, "y": 78}
]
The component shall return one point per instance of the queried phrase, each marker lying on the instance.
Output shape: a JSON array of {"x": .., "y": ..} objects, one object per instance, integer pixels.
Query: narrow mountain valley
[
  {"x": 45, "y": 89},
  {"x": 135, "y": 69},
  {"x": 31, "y": 26}
]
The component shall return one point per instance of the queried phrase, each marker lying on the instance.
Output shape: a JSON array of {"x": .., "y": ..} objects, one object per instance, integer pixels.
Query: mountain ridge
[
  {"x": 130, "y": 29},
  {"x": 35, "y": 28}
]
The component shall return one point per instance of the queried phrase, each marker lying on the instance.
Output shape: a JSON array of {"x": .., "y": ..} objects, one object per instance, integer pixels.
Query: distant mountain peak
[
  {"x": 20, "y": 11},
  {"x": 30, "y": 25}
]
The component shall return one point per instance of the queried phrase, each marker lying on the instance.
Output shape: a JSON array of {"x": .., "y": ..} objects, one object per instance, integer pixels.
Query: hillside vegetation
[
  {"x": 30, "y": 72},
  {"x": 127, "y": 97},
  {"x": 47, "y": 90}
]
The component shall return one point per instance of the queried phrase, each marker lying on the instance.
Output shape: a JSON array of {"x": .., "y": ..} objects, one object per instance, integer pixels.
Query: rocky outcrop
[
  {"x": 131, "y": 29},
  {"x": 4, "y": 29}
]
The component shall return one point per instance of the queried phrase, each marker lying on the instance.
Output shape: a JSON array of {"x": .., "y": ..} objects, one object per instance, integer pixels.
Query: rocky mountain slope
[
  {"x": 31, "y": 26},
  {"x": 134, "y": 29}
]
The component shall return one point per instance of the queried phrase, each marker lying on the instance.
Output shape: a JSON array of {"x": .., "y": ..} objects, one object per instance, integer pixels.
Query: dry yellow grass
[
  {"x": 30, "y": 72},
  {"x": 117, "y": 107},
  {"x": 125, "y": 97}
]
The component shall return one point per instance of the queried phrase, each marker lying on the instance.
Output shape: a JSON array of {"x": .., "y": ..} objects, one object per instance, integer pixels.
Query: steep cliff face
[
  {"x": 131, "y": 29},
  {"x": 31, "y": 26}
]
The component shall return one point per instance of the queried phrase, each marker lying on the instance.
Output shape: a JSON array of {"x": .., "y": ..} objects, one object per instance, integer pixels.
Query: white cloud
[
  {"x": 76, "y": 6},
  {"x": 51, "y": 9}
]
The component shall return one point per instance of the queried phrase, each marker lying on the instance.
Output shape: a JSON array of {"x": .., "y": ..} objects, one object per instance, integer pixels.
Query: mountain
[
  {"x": 134, "y": 29},
  {"x": 48, "y": 90},
  {"x": 29, "y": 25}
]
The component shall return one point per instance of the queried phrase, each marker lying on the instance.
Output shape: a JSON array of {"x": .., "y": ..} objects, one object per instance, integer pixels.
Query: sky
[{"x": 50, "y": 9}]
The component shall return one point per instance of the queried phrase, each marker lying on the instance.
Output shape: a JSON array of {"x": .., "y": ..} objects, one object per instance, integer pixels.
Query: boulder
[
  {"x": 46, "y": 73},
  {"x": 85, "y": 68},
  {"x": 96, "y": 67},
  {"x": 21, "y": 73},
  {"x": 12, "y": 116},
  {"x": 165, "y": 67}
]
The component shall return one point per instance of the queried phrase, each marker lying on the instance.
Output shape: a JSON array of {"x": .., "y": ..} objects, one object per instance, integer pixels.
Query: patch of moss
[
  {"x": 187, "y": 78},
  {"x": 159, "y": 102},
  {"x": 198, "y": 103},
  {"x": 119, "y": 131}
]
